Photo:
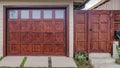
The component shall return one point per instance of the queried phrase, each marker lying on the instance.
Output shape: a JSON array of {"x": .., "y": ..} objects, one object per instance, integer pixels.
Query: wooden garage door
[
  {"x": 36, "y": 32},
  {"x": 99, "y": 31}
]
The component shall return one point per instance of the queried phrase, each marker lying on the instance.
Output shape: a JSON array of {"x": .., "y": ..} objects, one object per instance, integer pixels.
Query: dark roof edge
[{"x": 83, "y": 4}]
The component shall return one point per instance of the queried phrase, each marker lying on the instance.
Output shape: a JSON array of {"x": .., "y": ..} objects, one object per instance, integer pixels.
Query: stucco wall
[
  {"x": 39, "y": 2},
  {"x": 110, "y": 5}
]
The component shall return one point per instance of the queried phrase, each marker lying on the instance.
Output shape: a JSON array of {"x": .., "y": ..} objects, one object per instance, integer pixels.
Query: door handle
[{"x": 90, "y": 29}]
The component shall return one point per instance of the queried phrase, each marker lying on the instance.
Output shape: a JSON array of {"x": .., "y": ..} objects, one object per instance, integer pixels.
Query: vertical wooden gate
[
  {"x": 92, "y": 31},
  {"x": 80, "y": 30},
  {"x": 99, "y": 31}
]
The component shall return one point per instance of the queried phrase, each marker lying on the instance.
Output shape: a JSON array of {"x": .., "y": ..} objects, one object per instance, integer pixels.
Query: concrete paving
[
  {"x": 63, "y": 62},
  {"x": 102, "y": 60},
  {"x": 11, "y": 61},
  {"x": 107, "y": 65},
  {"x": 36, "y": 61}
]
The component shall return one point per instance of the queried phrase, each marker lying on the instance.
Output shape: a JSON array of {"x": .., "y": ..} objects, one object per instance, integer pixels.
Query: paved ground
[
  {"x": 63, "y": 62},
  {"x": 38, "y": 61},
  {"x": 11, "y": 61},
  {"x": 102, "y": 60},
  {"x": 107, "y": 65}
]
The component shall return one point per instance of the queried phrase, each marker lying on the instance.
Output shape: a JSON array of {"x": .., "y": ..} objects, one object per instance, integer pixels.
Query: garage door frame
[{"x": 6, "y": 7}]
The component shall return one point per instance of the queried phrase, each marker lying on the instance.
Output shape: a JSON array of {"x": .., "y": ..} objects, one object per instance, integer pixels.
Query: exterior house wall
[
  {"x": 110, "y": 5},
  {"x": 39, "y": 2}
]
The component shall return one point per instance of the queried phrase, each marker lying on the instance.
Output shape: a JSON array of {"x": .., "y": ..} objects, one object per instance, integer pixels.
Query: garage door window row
[{"x": 37, "y": 14}]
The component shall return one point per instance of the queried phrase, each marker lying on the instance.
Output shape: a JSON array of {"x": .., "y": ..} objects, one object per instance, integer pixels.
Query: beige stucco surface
[
  {"x": 110, "y": 5},
  {"x": 39, "y": 2}
]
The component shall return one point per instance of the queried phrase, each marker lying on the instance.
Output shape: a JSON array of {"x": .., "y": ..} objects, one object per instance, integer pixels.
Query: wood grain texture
[
  {"x": 36, "y": 36},
  {"x": 99, "y": 31},
  {"x": 92, "y": 31},
  {"x": 80, "y": 31}
]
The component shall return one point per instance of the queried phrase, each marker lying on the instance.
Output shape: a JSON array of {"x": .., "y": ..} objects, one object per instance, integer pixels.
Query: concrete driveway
[{"x": 38, "y": 61}]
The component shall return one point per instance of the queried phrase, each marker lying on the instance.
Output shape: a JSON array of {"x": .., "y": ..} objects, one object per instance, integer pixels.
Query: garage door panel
[
  {"x": 37, "y": 37},
  {"x": 59, "y": 26},
  {"x": 14, "y": 25},
  {"x": 48, "y": 26},
  {"x": 59, "y": 37},
  {"x": 47, "y": 48},
  {"x": 25, "y": 25},
  {"x": 25, "y": 37},
  {"x": 57, "y": 49},
  {"x": 14, "y": 37},
  {"x": 37, "y": 26},
  {"x": 49, "y": 37},
  {"x": 26, "y": 49},
  {"x": 37, "y": 48},
  {"x": 14, "y": 49}
]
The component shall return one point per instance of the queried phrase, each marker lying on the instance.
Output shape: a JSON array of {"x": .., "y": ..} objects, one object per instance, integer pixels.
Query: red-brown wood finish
[
  {"x": 92, "y": 31},
  {"x": 37, "y": 36},
  {"x": 116, "y": 19},
  {"x": 80, "y": 30},
  {"x": 99, "y": 31}
]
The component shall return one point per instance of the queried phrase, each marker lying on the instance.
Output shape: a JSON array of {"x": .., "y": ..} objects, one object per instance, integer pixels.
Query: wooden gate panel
[
  {"x": 92, "y": 31},
  {"x": 80, "y": 31},
  {"x": 116, "y": 20},
  {"x": 99, "y": 31}
]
